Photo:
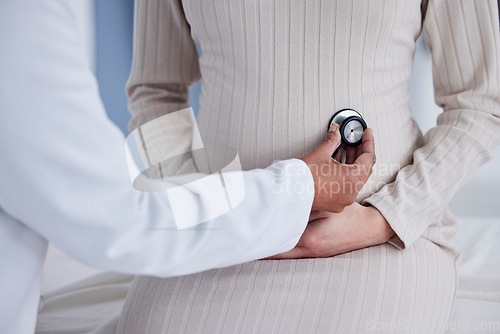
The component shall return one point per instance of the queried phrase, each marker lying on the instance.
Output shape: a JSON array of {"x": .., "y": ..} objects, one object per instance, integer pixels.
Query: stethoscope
[{"x": 351, "y": 126}]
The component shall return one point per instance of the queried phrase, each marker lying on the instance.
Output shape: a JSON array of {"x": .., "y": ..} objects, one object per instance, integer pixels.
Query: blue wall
[
  {"x": 114, "y": 30},
  {"x": 114, "y": 33}
]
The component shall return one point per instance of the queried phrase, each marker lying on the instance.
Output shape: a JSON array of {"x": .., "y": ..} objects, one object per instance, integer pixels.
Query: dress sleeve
[
  {"x": 463, "y": 38},
  {"x": 165, "y": 61}
]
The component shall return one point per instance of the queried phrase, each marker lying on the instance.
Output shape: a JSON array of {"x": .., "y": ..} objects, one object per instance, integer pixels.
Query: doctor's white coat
[{"x": 64, "y": 178}]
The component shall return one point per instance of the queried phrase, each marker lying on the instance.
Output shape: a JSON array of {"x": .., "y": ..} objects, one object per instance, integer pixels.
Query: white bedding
[
  {"x": 79, "y": 299},
  {"x": 477, "y": 308}
]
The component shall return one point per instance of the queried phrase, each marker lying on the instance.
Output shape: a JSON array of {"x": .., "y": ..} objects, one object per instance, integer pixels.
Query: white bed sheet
[
  {"x": 80, "y": 299},
  {"x": 477, "y": 308}
]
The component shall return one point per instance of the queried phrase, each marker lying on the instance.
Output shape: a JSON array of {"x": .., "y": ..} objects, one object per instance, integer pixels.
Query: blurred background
[{"x": 107, "y": 30}]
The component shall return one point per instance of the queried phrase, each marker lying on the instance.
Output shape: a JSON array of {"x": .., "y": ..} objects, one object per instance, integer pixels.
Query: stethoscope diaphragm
[{"x": 352, "y": 126}]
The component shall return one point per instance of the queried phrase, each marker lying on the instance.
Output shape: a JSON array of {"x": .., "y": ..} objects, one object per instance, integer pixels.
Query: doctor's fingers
[
  {"x": 366, "y": 159},
  {"x": 330, "y": 142},
  {"x": 339, "y": 152},
  {"x": 315, "y": 214},
  {"x": 297, "y": 252},
  {"x": 351, "y": 155}
]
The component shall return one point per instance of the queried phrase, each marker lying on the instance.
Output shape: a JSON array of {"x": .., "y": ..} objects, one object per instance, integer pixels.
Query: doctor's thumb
[{"x": 330, "y": 142}]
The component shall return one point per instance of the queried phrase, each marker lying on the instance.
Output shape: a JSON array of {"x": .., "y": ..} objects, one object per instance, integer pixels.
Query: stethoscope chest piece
[{"x": 351, "y": 125}]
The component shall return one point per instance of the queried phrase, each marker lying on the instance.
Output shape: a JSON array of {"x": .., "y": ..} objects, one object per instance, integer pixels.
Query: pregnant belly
[{"x": 265, "y": 136}]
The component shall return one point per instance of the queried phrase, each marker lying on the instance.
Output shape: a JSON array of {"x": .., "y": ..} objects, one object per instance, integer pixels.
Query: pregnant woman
[{"x": 273, "y": 73}]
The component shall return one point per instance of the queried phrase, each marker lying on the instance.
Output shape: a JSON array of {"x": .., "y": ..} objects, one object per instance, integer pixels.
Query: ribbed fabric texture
[
  {"x": 364, "y": 291},
  {"x": 274, "y": 72}
]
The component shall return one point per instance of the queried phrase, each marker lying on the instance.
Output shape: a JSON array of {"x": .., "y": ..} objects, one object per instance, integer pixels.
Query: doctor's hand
[
  {"x": 337, "y": 185},
  {"x": 329, "y": 234}
]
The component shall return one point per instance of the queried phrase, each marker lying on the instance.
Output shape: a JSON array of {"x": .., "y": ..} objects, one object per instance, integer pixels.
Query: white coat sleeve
[{"x": 63, "y": 171}]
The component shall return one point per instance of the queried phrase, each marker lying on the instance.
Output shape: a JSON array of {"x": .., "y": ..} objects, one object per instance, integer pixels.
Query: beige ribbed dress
[{"x": 273, "y": 73}]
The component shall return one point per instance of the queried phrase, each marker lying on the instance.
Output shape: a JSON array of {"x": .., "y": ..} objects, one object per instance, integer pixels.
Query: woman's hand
[{"x": 329, "y": 234}]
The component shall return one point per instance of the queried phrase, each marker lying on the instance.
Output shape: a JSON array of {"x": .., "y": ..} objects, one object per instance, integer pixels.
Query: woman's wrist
[{"x": 380, "y": 230}]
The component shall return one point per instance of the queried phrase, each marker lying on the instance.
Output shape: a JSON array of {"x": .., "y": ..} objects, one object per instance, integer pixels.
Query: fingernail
[{"x": 334, "y": 127}]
